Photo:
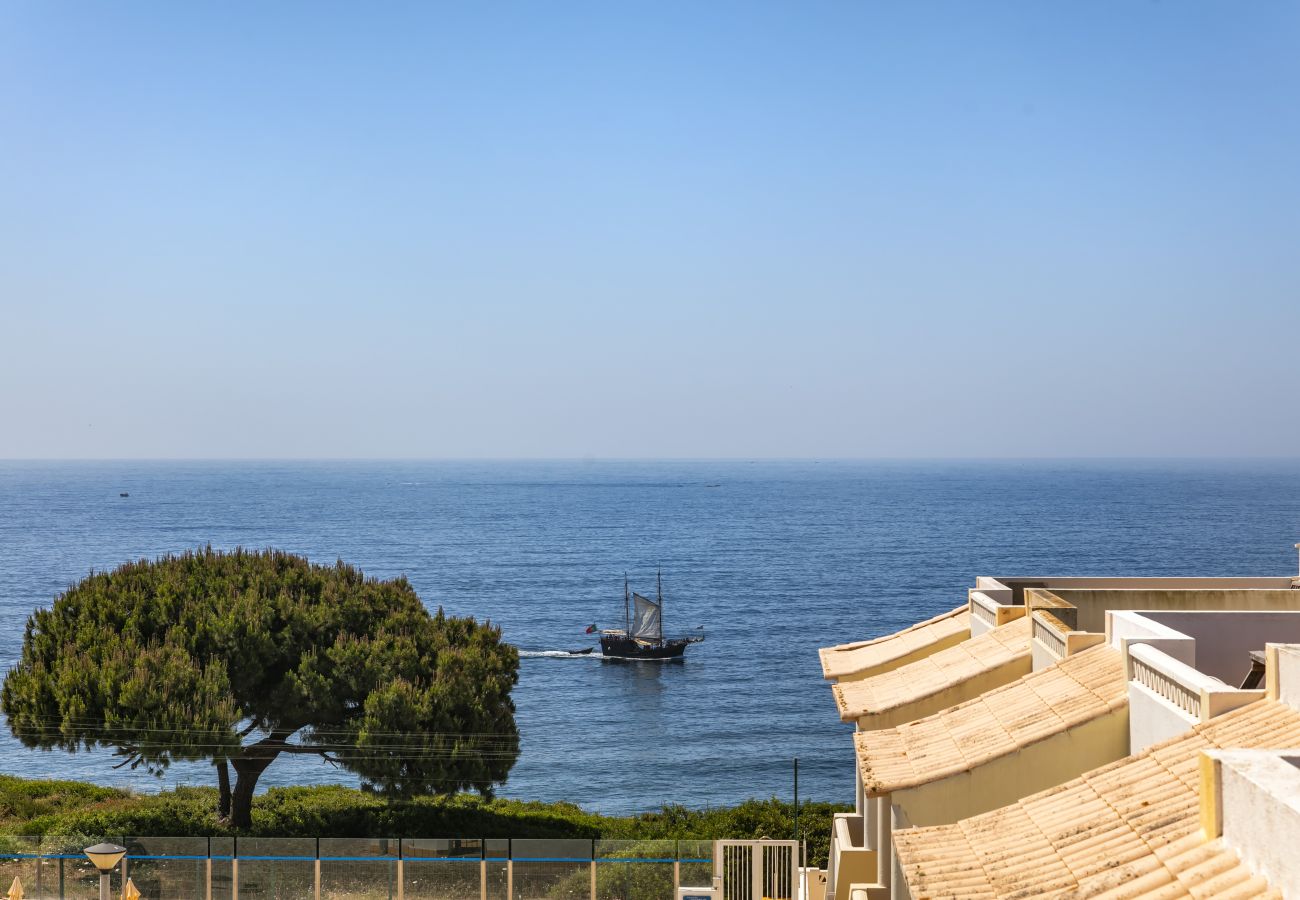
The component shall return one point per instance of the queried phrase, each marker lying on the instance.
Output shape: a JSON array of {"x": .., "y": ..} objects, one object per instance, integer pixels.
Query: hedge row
[{"x": 68, "y": 807}]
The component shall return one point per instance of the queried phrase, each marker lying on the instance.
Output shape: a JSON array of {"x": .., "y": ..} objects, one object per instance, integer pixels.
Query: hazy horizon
[
  {"x": 1003, "y": 230},
  {"x": 651, "y": 459}
]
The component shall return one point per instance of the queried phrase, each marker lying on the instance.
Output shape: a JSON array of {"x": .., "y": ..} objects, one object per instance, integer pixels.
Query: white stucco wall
[
  {"x": 1224, "y": 639},
  {"x": 1042, "y": 657},
  {"x": 1288, "y": 674},
  {"x": 1152, "y": 718},
  {"x": 1259, "y": 808},
  {"x": 979, "y": 600},
  {"x": 1126, "y": 627}
]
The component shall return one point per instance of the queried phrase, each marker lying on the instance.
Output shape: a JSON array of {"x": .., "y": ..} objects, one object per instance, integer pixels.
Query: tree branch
[{"x": 299, "y": 748}]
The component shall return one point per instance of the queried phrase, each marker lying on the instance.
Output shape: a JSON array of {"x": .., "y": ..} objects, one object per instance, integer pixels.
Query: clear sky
[{"x": 614, "y": 229}]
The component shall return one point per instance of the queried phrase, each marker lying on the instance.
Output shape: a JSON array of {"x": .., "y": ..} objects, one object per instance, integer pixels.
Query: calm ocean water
[{"x": 775, "y": 558}]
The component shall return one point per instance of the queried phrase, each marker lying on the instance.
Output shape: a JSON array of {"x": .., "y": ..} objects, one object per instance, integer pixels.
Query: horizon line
[{"x": 651, "y": 459}]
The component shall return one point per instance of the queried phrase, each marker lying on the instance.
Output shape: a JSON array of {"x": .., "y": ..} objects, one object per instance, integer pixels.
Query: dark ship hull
[
  {"x": 642, "y": 635},
  {"x": 619, "y": 646}
]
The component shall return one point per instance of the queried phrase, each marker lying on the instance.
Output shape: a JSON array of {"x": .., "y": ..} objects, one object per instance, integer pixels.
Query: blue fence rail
[{"x": 360, "y": 869}]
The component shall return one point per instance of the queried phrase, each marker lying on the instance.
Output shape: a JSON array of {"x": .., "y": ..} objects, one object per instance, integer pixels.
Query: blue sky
[{"x": 737, "y": 230}]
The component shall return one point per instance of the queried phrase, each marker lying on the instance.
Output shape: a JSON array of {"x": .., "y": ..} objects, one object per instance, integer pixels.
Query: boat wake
[{"x": 557, "y": 654}]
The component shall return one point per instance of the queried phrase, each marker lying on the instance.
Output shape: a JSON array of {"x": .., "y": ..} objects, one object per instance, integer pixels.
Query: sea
[{"x": 769, "y": 560}]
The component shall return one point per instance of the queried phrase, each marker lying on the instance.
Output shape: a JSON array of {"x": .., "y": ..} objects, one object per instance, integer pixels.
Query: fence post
[
  {"x": 677, "y": 867},
  {"x": 510, "y": 869},
  {"x": 315, "y": 881},
  {"x": 593, "y": 870},
  {"x": 401, "y": 872},
  {"x": 482, "y": 870},
  {"x": 234, "y": 868},
  {"x": 207, "y": 878}
]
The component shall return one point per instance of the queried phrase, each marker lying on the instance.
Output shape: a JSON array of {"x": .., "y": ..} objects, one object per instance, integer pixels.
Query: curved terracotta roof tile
[
  {"x": 860, "y": 656},
  {"x": 935, "y": 673},
  {"x": 995, "y": 724},
  {"x": 1129, "y": 829}
]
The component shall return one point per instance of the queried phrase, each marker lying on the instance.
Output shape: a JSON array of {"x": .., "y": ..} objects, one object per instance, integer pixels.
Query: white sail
[{"x": 645, "y": 619}]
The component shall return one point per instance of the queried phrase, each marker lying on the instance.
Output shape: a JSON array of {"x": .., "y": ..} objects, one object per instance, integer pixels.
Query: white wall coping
[
  {"x": 983, "y": 603},
  {"x": 1177, "y": 670},
  {"x": 1132, "y": 623},
  {"x": 996, "y": 591},
  {"x": 1147, "y": 583},
  {"x": 1200, "y": 695},
  {"x": 1255, "y": 807}
]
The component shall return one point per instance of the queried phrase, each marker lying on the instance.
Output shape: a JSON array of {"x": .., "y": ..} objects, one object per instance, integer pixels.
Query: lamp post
[{"x": 105, "y": 857}]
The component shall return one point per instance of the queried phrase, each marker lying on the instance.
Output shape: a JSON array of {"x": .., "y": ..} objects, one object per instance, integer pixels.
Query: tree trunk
[
  {"x": 248, "y": 768},
  {"x": 223, "y": 785}
]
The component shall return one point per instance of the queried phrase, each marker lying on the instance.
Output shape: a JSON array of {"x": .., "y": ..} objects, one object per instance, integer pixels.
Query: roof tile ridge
[{"x": 915, "y": 626}]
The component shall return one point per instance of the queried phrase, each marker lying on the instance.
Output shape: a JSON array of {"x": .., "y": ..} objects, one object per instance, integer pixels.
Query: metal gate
[{"x": 757, "y": 870}]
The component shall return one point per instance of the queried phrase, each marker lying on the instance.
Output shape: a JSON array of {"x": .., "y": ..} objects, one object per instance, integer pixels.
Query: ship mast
[
  {"x": 627, "y": 611},
  {"x": 659, "y": 590}
]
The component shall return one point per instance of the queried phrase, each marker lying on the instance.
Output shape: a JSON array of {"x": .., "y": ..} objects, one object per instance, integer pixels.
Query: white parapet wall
[
  {"x": 1251, "y": 798},
  {"x": 851, "y": 862},
  {"x": 1051, "y": 641},
  {"x": 1224, "y": 640},
  {"x": 991, "y": 604},
  {"x": 983, "y": 613},
  {"x": 1124, "y": 628},
  {"x": 1167, "y": 696}
]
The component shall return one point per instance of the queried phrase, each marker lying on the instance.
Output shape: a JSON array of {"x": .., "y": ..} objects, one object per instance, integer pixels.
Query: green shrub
[{"x": 66, "y": 808}]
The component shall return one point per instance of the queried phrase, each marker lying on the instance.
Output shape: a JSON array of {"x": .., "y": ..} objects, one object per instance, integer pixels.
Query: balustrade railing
[
  {"x": 1049, "y": 637},
  {"x": 983, "y": 613},
  {"x": 1167, "y": 677}
]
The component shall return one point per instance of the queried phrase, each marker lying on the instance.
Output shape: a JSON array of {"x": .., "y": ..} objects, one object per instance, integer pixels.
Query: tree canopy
[{"x": 241, "y": 656}]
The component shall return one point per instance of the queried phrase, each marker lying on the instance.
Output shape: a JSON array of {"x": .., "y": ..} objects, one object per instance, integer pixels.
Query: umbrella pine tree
[{"x": 243, "y": 657}]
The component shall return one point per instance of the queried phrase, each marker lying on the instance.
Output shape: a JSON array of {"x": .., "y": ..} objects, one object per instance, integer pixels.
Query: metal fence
[{"x": 361, "y": 869}]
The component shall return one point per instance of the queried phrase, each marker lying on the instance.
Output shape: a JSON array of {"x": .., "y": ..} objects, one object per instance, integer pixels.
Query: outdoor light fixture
[{"x": 105, "y": 857}]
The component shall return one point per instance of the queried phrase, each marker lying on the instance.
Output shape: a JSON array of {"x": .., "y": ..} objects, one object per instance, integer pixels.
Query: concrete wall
[
  {"x": 1006, "y": 779},
  {"x": 1282, "y": 678},
  {"x": 1041, "y": 656},
  {"x": 977, "y": 600},
  {"x": 1251, "y": 798},
  {"x": 1093, "y": 604},
  {"x": 1224, "y": 640},
  {"x": 1152, "y": 718},
  {"x": 984, "y": 606},
  {"x": 1126, "y": 627},
  {"x": 1019, "y": 583},
  {"x": 851, "y": 863}
]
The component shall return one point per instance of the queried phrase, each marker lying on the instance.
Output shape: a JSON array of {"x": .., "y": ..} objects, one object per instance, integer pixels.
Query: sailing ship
[{"x": 642, "y": 636}]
